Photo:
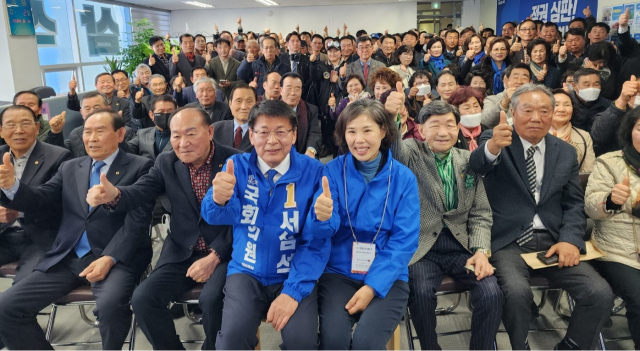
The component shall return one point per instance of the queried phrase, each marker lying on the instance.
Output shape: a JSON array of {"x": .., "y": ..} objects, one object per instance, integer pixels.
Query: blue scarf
[
  {"x": 439, "y": 62},
  {"x": 498, "y": 87},
  {"x": 478, "y": 58}
]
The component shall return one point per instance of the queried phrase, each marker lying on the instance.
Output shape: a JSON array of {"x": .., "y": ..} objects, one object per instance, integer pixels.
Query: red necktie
[
  {"x": 366, "y": 73},
  {"x": 238, "y": 138}
]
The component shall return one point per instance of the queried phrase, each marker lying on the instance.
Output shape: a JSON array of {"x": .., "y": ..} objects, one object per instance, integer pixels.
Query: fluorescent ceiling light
[
  {"x": 199, "y": 4},
  {"x": 268, "y": 2}
]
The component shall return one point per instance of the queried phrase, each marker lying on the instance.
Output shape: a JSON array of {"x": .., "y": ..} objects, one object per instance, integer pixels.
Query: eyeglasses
[
  {"x": 23, "y": 125},
  {"x": 362, "y": 47},
  {"x": 122, "y": 80},
  {"x": 530, "y": 29},
  {"x": 280, "y": 134}
]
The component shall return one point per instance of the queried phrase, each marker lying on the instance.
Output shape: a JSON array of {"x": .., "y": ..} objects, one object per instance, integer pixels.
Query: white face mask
[
  {"x": 424, "y": 89},
  {"x": 589, "y": 94},
  {"x": 636, "y": 102},
  {"x": 471, "y": 121}
]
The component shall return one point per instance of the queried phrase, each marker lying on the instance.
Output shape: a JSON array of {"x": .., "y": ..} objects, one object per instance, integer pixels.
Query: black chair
[{"x": 44, "y": 92}]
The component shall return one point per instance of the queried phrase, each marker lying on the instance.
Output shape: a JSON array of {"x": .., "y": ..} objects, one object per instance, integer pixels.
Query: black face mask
[{"x": 161, "y": 120}]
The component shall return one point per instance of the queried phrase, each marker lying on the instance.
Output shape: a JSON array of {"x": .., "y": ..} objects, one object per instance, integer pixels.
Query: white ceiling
[{"x": 226, "y": 4}]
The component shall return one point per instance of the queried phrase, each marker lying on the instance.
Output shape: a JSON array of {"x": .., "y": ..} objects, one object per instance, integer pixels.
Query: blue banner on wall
[
  {"x": 560, "y": 12},
  {"x": 20, "y": 17}
]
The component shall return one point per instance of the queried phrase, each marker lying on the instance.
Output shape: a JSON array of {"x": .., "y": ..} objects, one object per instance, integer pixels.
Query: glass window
[
  {"x": 101, "y": 29},
  {"x": 89, "y": 74},
  {"x": 59, "y": 80},
  {"x": 51, "y": 21}
]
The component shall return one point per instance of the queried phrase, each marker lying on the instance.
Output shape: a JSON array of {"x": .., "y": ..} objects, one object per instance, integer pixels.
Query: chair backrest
[{"x": 44, "y": 91}]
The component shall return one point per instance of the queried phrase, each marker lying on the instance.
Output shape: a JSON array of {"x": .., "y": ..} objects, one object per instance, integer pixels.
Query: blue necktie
[
  {"x": 294, "y": 67},
  {"x": 270, "y": 175},
  {"x": 82, "y": 246}
]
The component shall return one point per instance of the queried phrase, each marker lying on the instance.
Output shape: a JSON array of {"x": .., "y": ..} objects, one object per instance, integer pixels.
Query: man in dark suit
[
  {"x": 309, "y": 137},
  {"x": 152, "y": 141},
  {"x": 186, "y": 60},
  {"x": 187, "y": 95},
  {"x": 298, "y": 62},
  {"x": 534, "y": 191},
  {"x": 142, "y": 104},
  {"x": 235, "y": 133},
  {"x": 158, "y": 61},
  {"x": 205, "y": 89},
  {"x": 105, "y": 84},
  {"x": 194, "y": 252},
  {"x": 109, "y": 251},
  {"x": 223, "y": 68},
  {"x": 364, "y": 65},
  {"x": 23, "y": 239}
]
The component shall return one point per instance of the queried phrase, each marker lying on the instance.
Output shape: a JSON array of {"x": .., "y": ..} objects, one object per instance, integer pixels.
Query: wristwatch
[{"x": 484, "y": 251}]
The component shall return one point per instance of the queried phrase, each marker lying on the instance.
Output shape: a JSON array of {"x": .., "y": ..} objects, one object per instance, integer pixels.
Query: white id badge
[{"x": 362, "y": 257}]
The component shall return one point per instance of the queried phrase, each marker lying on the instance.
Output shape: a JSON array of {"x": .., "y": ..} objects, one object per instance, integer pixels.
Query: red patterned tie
[
  {"x": 238, "y": 138},
  {"x": 366, "y": 73}
]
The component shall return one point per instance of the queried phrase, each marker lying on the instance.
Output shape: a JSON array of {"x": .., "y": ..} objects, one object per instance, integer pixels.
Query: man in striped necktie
[{"x": 532, "y": 183}]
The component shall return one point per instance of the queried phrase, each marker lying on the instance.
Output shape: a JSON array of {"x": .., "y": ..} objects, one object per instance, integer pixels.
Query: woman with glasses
[
  {"x": 612, "y": 200},
  {"x": 373, "y": 231},
  {"x": 402, "y": 64},
  {"x": 542, "y": 72}
]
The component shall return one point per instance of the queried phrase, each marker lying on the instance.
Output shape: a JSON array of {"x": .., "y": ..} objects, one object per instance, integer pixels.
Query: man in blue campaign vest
[{"x": 275, "y": 264}]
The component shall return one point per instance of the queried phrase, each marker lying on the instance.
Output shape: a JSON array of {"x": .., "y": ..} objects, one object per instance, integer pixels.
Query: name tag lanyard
[{"x": 346, "y": 202}]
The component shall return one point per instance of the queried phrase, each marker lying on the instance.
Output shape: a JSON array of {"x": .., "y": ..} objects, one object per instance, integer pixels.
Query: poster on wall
[
  {"x": 560, "y": 12},
  {"x": 20, "y": 17},
  {"x": 616, "y": 12}
]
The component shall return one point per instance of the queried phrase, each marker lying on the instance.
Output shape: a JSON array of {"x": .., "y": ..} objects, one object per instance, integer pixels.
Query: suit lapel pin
[
  {"x": 37, "y": 162},
  {"x": 117, "y": 173}
]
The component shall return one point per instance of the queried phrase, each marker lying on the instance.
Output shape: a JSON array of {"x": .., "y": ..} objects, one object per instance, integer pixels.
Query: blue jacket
[
  {"x": 269, "y": 226},
  {"x": 258, "y": 69},
  {"x": 398, "y": 238}
]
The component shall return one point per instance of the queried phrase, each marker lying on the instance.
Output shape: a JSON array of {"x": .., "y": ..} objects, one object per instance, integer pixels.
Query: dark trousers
[
  {"x": 247, "y": 301},
  {"x": 590, "y": 291},
  {"x": 625, "y": 282},
  {"x": 376, "y": 323},
  {"x": 166, "y": 284},
  {"x": 20, "y": 304},
  {"x": 448, "y": 256},
  {"x": 15, "y": 245}
]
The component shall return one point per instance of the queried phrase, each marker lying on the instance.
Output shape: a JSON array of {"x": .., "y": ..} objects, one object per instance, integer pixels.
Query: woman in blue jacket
[{"x": 368, "y": 205}]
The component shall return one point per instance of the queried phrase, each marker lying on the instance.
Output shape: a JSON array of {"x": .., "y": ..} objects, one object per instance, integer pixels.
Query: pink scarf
[{"x": 472, "y": 134}]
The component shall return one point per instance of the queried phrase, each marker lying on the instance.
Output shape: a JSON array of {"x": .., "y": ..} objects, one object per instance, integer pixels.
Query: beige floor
[{"x": 69, "y": 328}]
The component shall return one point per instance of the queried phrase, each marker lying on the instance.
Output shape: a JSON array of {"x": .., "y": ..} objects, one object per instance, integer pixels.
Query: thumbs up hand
[
  {"x": 517, "y": 46},
  {"x": 254, "y": 83},
  {"x": 223, "y": 184},
  {"x": 427, "y": 56},
  {"x": 178, "y": 82},
  {"x": 312, "y": 57},
  {"x": 630, "y": 89},
  {"x": 586, "y": 12},
  {"x": 556, "y": 47},
  {"x": 102, "y": 193},
  {"x": 250, "y": 57},
  {"x": 395, "y": 101},
  {"x": 623, "y": 21},
  {"x": 543, "y": 73},
  {"x": 174, "y": 56},
  {"x": 501, "y": 135},
  {"x": 343, "y": 70},
  {"x": 620, "y": 192},
  {"x": 414, "y": 89},
  {"x": 470, "y": 54},
  {"x": 139, "y": 95},
  {"x": 152, "y": 60},
  {"x": 57, "y": 123},
  {"x": 481, "y": 28},
  {"x": 459, "y": 52},
  {"x": 332, "y": 101},
  {"x": 562, "y": 52},
  {"x": 73, "y": 85},
  {"x": 7, "y": 177},
  {"x": 324, "y": 205}
]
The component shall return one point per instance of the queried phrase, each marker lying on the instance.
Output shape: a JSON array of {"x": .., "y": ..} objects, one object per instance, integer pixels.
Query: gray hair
[
  {"x": 252, "y": 42},
  {"x": 153, "y": 76},
  {"x": 204, "y": 80},
  {"x": 143, "y": 66},
  {"x": 437, "y": 108},
  {"x": 529, "y": 88},
  {"x": 93, "y": 94}
]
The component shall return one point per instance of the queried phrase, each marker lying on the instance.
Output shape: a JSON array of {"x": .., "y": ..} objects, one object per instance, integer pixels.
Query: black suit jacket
[
  {"x": 171, "y": 175},
  {"x": 303, "y": 70},
  {"x": 221, "y": 111},
  {"x": 42, "y": 165},
  {"x": 123, "y": 236},
  {"x": 159, "y": 67},
  {"x": 561, "y": 204},
  {"x": 184, "y": 67},
  {"x": 224, "y": 134},
  {"x": 117, "y": 104}
]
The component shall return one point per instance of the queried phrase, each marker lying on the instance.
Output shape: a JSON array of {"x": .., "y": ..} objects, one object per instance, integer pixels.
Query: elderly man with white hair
[
  {"x": 142, "y": 77},
  {"x": 205, "y": 89},
  {"x": 157, "y": 86}
]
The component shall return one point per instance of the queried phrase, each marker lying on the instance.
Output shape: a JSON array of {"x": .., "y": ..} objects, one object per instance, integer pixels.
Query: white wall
[
  {"x": 470, "y": 14},
  {"x": 19, "y": 65},
  {"x": 488, "y": 14},
  {"x": 396, "y": 17}
]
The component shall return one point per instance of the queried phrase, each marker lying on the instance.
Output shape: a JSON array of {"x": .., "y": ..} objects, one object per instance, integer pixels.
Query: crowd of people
[{"x": 452, "y": 153}]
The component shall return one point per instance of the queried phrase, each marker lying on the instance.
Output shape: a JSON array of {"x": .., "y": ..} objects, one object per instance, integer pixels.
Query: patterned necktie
[
  {"x": 270, "y": 175},
  {"x": 527, "y": 58},
  {"x": 82, "y": 246},
  {"x": 238, "y": 138},
  {"x": 527, "y": 235},
  {"x": 294, "y": 66},
  {"x": 366, "y": 73}
]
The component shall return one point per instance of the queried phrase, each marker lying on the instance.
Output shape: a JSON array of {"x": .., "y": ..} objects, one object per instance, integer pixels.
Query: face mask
[
  {"x": 589, "y": 94},
  {"x": 636, "y": 102},
  {"x": 424, "y": 89},
  {"x": 161, "y": 119},
  {"x": 471, "y": 121}
]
